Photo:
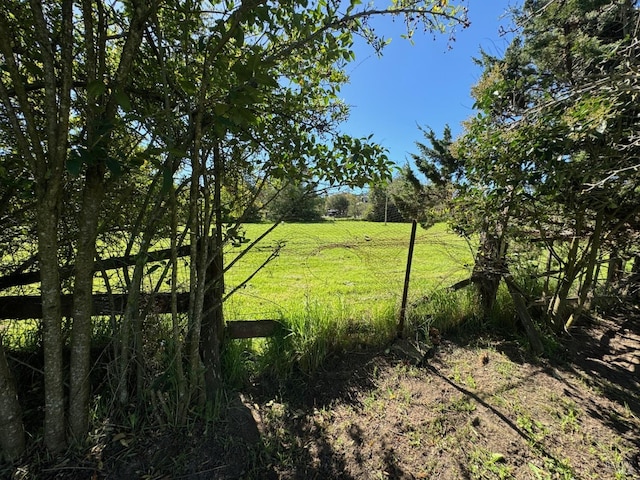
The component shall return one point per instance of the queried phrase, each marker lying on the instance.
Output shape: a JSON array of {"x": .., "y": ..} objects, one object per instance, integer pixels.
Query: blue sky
[{"x": 424, "y": 84}]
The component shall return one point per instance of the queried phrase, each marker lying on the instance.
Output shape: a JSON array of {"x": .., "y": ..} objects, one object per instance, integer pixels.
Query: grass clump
[
  {"x": 317, "y": 330},
  {"x": 447, "y": 311},
  {"x": 21, "y": 335}
]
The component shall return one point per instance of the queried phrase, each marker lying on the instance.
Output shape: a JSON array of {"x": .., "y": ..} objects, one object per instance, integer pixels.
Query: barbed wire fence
[{"x": 346, "y": 266}]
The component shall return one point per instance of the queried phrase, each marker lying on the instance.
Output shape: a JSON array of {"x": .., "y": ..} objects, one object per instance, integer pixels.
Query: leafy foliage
[
  {"x": 553, "y": 149},
  {"x": 125, "y": 121},
  {"x": 340, "y": 204},
  {"x": 382, "y": 203},
  {"x": 295, "y": 203}
]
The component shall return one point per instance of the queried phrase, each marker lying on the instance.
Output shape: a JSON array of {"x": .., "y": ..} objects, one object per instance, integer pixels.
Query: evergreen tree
[
  {"x": 554, "y": 146},
  {"x": 430, "y": 202},
  {"x": 382, "y": 206}
]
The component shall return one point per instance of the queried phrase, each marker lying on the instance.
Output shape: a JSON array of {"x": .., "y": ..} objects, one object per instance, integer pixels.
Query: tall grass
[
  {"x": 446, "y": 311},
  {"x": 310, "y": 334},
  {"x": 23, "y": 335}
]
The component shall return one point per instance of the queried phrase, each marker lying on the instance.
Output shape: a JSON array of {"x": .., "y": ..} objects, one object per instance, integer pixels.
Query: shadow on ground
[
  {"x": 605, "y": 354},
  {"x": 602, "y": 355},
  {"x": 377, "y": 414},
  {"x": 297, "y": 414}
]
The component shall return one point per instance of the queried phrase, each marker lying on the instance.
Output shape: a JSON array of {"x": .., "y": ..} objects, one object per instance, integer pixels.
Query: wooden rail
[
  {"x": 22, "y": 307},
  {"x": 17, "y": 279}
]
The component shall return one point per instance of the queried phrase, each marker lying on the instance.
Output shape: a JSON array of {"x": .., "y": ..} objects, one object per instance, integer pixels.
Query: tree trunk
[
  {"x": 213, "y": 317},
  {"x": 181, "y": 406},
  {"x": 198, "y": 267},
  {"x": 82, "y": 303},
  {"x": 199, "y": 259},
  {"x": 547, "y": 277},
  {"x": 54, "y": 414},
  {"x": 80, "y": 363},
  {"x": 586, "y": 289},
  {"x": 525, "y": 318},
  {"x": 12, "y": 440},
  {"x": 130, "y": 327},
  {"x": 614, "y": 270},
  {"x": 635, "y": 270},
  {"x": 488, "y": 270},
  {"x": 42, "y": 139},
  {"x": 558, "y": 307},
  {"x": 213, "y": 323}
]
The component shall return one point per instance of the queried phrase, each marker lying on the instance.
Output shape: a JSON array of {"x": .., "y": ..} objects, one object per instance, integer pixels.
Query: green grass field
[
  {"x": 351, "y": 267},
  {"x": 355, "y": 265},
  {"x": 331, "y": 279},
  {"x": 336, "y": 285}
]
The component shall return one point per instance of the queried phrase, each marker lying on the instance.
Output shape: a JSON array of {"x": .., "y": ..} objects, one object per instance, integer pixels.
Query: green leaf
[
  {"x": 243, "y": 71},
  {"x": 221, "y": 109},
  {"x": 239, "y": 36},
  {"x": 123, "y": 100},
  {"x": 188, "y": 86},
  {"x": 264, "y": 78},
  {"x": 262, "y": 13},
  {"x": 138, "y": 159},
  {"x": 95, "y": 88},
  {"x": 176, "y": 152},
  {"x": 74, "y": 163},
  {"x": 114, "y": 166},
  {"x": 167, "y": 179},
  {"x": 152, "y": 269}
]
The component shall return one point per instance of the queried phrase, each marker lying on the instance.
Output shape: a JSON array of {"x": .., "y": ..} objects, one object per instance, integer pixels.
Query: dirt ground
[{"x": 470, "y": 409}]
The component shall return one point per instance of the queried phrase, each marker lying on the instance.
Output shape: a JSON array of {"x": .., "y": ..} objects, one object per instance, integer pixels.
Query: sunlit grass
[
  {"x": 334, "y": 284},
  {"x": 337, "y": 286},
  {"x": 17, "y": 334},
  {"x": 359, "y": 266}
]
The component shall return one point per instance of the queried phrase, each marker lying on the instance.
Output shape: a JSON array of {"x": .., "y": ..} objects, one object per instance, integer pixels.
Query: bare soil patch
[
  {"x": 478, "y": 409},
  {"x": 473, "y": 411}
]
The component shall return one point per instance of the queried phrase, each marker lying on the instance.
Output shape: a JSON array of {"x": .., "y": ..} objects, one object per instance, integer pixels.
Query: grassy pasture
[
  {"x": 331, "y": 278},
  {"x": 336, "y": 285},
  {"x": 349, "y": 267}
]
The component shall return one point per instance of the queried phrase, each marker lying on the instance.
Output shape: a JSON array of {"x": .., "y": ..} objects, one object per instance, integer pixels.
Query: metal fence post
[{"x": 407, "y": 276}]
